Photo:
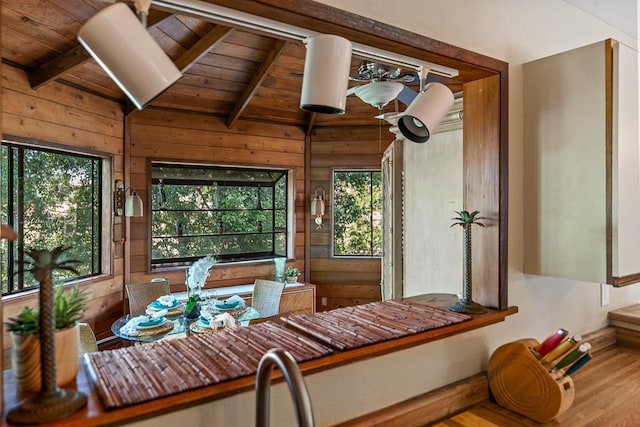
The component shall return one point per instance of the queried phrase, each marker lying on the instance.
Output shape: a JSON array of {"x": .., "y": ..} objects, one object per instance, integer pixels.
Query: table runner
[{"x": 351, "y": 327}]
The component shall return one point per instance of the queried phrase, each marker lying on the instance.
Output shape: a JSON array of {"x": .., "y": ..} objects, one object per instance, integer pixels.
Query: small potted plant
[
  {"x": 25, "y": 334},
  {"x": 291, "y": 274}
]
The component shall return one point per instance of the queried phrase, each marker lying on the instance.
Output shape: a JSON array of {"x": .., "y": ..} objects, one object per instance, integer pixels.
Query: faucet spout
[{"x": 293, "y": 377}]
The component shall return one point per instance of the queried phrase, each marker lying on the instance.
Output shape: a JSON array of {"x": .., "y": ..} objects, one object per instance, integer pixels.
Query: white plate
[
  {"x": 152, "y": 326},
  {"x": 227, "y": 307},
  {"x": 157, "y": 306}
]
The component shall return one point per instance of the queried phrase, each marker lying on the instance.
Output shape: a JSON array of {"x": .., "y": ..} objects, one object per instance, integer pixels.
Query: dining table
[{"x": 174, "y": 324}]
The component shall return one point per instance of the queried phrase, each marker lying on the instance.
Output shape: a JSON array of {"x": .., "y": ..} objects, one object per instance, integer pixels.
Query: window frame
[
  {"x": 105, "y": 265},
  {"x": 333, "y": 204},
  {"x": 289, "y": 230}
]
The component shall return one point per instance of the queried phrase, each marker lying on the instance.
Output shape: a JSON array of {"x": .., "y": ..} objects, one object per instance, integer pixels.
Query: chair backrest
[
  {"x": 87, "y": 342},
  {"x": 266, "y": 297},
  {"x": 142, "y": 294}
]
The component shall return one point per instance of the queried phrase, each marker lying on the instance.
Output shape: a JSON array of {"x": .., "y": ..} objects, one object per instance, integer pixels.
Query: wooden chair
[
  {"x": 266, "y": 297},
  {"x": 87, "y": 340},
  {"x": 140, "y": 295}
]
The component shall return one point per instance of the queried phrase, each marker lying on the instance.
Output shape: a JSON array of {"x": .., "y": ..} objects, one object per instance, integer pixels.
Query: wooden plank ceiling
[{"x": 229, "y": 72}]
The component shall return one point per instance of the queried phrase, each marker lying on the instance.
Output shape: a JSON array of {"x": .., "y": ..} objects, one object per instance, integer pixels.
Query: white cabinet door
[{"x": 582, "y": 165}]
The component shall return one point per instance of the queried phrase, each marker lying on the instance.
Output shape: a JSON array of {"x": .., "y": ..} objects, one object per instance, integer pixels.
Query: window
[
  {"x": 234, "y": 214},
  {"x": 357, "y": 213},
  {"x": 51, "y": 198}
]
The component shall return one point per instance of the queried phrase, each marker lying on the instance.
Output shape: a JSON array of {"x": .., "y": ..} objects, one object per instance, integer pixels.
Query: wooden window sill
[{"x": 94, "y": 415}]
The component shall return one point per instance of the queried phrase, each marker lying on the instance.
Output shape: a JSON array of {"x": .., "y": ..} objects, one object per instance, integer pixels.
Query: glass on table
[{"x": 210, "y": 297}]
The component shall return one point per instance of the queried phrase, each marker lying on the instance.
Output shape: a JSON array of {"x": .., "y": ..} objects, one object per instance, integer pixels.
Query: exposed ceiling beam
[
  {"x": 202, "y": 46},
  {"x": 77, "y": 56},
  {"x": 256, "y": 81}
]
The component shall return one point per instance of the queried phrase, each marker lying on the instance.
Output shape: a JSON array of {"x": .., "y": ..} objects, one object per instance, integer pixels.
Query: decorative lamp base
[
  {"x": 467, "y": 306},
  {"x": 45, "y": 407}
]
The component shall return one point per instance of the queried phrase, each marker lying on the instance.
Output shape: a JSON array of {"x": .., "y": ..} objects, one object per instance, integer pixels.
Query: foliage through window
[
  {"x": 51, "y": 198},
  {"x": 234, "y": 214},
  {"x": 357, "y": 213}
]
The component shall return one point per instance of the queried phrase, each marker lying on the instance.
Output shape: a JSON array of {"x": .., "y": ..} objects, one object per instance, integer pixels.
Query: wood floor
[{"x": 607, "y": 393}]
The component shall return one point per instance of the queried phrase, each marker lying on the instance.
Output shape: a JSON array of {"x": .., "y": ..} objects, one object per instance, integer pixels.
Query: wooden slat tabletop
[
  {"x": 140, "y": 373},
  {"x": 352, "y": 327}
]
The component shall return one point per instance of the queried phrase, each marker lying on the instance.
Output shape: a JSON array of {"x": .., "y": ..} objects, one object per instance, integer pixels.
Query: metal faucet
[{"x": 293, "y": 377}]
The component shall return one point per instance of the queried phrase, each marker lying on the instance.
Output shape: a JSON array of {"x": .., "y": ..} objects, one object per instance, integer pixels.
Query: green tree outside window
[
  {"x": 51, "y": 198},
  {"x": 234, "y": 214},
  {"x": 357, "y": 213}
]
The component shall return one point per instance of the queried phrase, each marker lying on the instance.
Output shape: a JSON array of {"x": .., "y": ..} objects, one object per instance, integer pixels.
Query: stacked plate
[
  {"x": 163, "y": 303},
  {"x": 234, "y": 306},
  {"x": 169, "y": 303},
  {"x": 153, "y": 322}
]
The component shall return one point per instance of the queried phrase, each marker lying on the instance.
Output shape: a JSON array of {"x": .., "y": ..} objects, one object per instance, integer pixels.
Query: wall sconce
[
  {"x": 132, "y": 206},
  {"x": 317, "y": 206},
  {"x": 123, "y": 47},
  {"x": 426, "y": 112},
  {"x": 326, "y": 74}
]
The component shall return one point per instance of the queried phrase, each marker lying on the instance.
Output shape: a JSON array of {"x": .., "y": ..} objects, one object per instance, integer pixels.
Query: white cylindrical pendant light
[
  {"x": 133, "y": 205},
  {"x": 426, "y": 112},
  {"x": 122, "y": 46},
  {"x": 326, "y": 74}
]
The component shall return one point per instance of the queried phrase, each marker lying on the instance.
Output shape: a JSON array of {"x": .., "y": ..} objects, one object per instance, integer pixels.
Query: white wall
[{"x": 515, "y": 31}]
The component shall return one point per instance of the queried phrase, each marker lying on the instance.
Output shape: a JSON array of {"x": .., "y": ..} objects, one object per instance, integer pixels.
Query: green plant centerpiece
[
  {"x": 291, "y": 274},
  {"x": 52, "y": 402},
  {"x": 466, "y": 304}
]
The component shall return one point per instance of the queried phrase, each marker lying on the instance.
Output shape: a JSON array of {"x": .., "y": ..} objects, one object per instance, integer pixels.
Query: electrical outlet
[
  {"x": 323, "y": 301},
  {"x": 604, "y": 294}
]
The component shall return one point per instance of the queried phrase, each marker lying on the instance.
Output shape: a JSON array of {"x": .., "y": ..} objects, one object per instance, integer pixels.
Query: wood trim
[
  {"x": 503, "y": 190},
  {"x": 307, "y": 209},
  {"x": 126, "y": 154},
  {"x": 481, "y": 184},
  {"x": 356, "y": 28},
  {"x": 608, "y": 147},
  {"x": 624, "y": 280}
]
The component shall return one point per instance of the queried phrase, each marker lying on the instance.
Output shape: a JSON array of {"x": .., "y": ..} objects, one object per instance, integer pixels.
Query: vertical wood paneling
[
  {"x": 157, "y": 135},
  {"x": 346, "y": 147},
  {"x": 481, "y": 154},
  {"x": 60, "y": 115}
]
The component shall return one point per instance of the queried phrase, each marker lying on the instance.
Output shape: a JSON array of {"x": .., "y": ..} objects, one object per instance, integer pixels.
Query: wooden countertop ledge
[{"x": 230, "y": 377}]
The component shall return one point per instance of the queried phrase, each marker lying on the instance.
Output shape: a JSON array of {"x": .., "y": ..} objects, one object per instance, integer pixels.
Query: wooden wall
[
  {"x": 342, "y": 281},
  {"x": 155, "y": 134},
  {"x": 57, "y": 114}
]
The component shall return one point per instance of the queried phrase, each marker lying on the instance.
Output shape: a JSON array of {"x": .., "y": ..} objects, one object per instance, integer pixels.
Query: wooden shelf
[{"x": 521, "y": 383}]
